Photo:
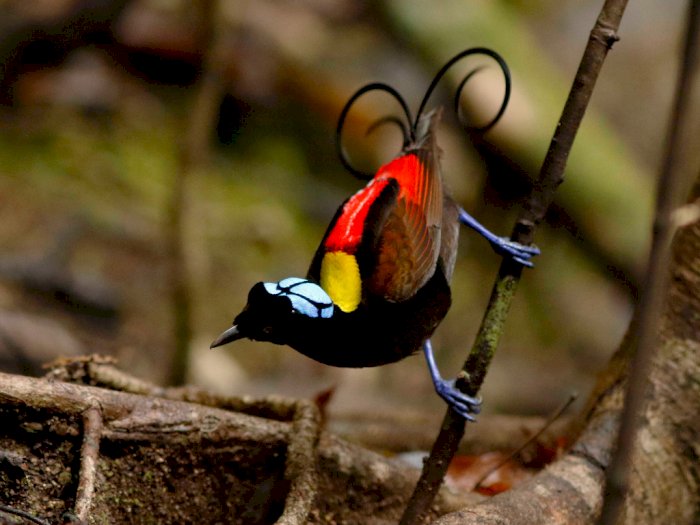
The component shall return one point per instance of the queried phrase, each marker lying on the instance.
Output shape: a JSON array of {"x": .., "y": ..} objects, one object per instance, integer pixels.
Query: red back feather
[{"x": 408, "y": 242}]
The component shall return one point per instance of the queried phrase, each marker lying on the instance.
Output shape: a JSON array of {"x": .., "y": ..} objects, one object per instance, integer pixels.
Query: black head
[{"x": 276, "y": 310}]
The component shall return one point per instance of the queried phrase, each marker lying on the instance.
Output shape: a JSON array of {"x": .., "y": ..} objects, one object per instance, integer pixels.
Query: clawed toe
[
  {"x": 518, "y": 252},
  {"x": 524, "y": 262},
  {"x": 463, "y": 404}
]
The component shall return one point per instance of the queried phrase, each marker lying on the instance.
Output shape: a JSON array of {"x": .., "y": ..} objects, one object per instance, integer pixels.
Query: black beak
[{"x": 230, "y": 335}]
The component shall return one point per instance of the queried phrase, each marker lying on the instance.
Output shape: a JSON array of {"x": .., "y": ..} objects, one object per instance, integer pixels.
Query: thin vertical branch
[
  {"x": 602, "y": 37},
  {"x": 89, "y": 454},
  {"x": 532, "y": 439},
  {"x": 301, "y": 468},
  {"x": 193, "y": 153},
  {"x": 649, "y": 310}
]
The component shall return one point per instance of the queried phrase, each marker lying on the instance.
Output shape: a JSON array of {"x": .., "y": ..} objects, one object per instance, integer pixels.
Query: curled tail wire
[{"x": 408, "y": 128}]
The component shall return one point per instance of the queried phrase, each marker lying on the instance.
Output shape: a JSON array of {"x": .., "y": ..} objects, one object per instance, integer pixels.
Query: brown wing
[{"x": 408, "y": 245}]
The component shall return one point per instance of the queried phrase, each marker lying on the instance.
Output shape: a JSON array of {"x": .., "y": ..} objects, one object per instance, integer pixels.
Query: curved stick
[{"x": 22, "y": 514}]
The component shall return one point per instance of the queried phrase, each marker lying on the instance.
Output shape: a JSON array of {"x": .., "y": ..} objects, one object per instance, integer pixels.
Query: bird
[{"x": 378, "y": 285}]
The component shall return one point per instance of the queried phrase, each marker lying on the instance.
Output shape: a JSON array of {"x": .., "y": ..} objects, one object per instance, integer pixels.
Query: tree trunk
[{"x": 665, "y": 482}]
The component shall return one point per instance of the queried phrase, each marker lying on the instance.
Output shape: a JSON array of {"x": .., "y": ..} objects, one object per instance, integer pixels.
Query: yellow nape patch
[{"x": 340, "y": 278}]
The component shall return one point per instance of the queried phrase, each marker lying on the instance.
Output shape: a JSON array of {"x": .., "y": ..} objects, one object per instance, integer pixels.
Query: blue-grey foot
[
  {"x": 518, "y": 252},
  {"x": 501, "y": 245},
  {"x": 463, "y": 404}
]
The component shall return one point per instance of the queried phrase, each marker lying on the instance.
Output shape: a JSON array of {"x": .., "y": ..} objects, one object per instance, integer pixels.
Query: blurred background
[{"x": 158, "y": 157}]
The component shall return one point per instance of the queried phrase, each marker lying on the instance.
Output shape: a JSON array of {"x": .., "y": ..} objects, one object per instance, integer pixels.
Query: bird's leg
[
  {"x": 501, "y": 245},
  {"x": 466, "y": 406}
]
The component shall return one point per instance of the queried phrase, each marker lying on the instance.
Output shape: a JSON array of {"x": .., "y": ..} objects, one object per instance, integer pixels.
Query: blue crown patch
[{"x": 307, "y": 298}]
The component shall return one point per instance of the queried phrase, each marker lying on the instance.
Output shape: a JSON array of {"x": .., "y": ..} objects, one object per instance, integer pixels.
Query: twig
[
  {"x": 556, "y": 415},
  {"x": 301, "y": 462},
  {"x": 301, "y": 465},
  {"x": 602, "y": 37},
  {"x": 193, "y": 154},
  {"x": 89, "y": 454},
  {"x": 22, "y": 514},
  {"x": 648, "y": 313}
]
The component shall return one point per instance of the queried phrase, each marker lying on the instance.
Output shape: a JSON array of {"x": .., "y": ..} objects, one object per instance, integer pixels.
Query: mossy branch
[{"x": 602, "y": 37}]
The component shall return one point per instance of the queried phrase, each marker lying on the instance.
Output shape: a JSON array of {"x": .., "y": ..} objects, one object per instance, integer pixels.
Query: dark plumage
[{"x": 378, "y": 285}]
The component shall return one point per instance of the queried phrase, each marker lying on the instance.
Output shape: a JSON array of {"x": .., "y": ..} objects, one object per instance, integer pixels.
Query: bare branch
[
  {"x": 193, "y": 155},
  {"x": 7, "y": 509},
  {"x": 556, "y": 415},
  {"x": 602, "y": 37},
  {"x": 89, "y": 454},
  {"x": 649, "y": 310}
]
